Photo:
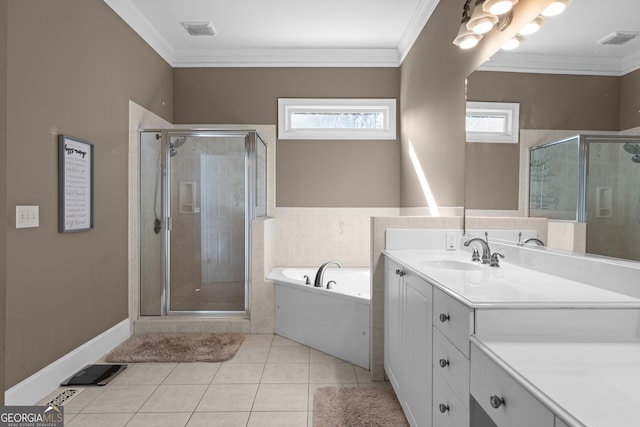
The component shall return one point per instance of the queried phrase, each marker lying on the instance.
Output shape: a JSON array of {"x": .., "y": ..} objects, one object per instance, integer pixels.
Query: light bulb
[
  {"x": 532, "y": 26},
  {"x": 469, "y": 41},
  {"x": 482, "y": 26},
  {"x": 513, "y": 43},
  {"x": 498, "y": 7},
  {"x": 466, "y": 39},
  {"x": 481, "y": 22},
  {"x": 556, "y": 8}
]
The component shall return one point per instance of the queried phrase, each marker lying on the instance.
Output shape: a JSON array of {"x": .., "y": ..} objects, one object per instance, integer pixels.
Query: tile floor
[{"x": 269, "y": 382}]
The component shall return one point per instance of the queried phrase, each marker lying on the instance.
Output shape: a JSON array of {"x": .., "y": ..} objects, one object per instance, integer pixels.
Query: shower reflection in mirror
[{"x": 592, "y": 179}]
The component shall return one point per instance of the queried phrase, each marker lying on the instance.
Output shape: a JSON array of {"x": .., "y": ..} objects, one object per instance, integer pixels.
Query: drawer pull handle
[
  {"x": 444, "y": 363},
  {"x": 496, "y": 401},
  {"x": 444, "y": 317},
  {"x": 399, "y": 272},
  {"x": 443, "y": 408}
]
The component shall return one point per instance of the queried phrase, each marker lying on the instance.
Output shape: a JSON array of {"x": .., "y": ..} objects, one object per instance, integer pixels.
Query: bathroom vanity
[{"x": 506, "y": 336}]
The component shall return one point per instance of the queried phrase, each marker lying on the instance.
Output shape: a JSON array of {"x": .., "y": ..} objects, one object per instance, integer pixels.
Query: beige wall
[
  {"x": 547, "y": 101},
  {"x": 553, "y": 101},
  {"x": 309, "y": 173},
  {"x": 433, "y": 102},
  {"x": 630, "y": 101},
  {"x": 73, "y": 65},
  {"x": 432, "y": 111},
  {"x": 3, "y": 182}
]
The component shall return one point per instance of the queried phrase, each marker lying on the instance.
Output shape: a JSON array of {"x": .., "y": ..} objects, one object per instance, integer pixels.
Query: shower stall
[
  {"x": 199, "y": 192},
  {"x": 593, "y": 179}
]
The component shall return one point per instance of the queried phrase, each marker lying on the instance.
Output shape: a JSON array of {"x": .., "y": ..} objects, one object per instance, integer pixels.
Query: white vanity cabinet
[
  {"x": 438, "y": 321},
  {"x": 408, "y": 341}
]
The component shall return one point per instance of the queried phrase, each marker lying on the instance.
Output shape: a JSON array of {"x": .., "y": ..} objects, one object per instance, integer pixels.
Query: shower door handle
[{"x": 169, "y": 223}]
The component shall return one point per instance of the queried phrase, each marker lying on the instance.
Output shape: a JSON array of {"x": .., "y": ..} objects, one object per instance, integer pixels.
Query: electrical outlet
[
  {"x": 27, "y": 216},
  {"x": 451, "y": 241}
]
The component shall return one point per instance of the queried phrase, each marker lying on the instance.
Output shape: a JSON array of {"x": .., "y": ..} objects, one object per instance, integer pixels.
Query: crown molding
[
  {"x": 138, "y": 21},
  {"x": 416, "y": 25},
  {"x": 286, "y": 58},
  {"x": 551, "y": 64},
  {"x": 631, "y": 63}
]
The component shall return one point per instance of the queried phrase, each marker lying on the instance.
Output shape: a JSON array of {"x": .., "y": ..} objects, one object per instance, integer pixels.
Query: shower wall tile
[
  {"x": 262, "y": 292},
  {"x": 567, "y": 235},
  {"x": 312, "y": 236}
]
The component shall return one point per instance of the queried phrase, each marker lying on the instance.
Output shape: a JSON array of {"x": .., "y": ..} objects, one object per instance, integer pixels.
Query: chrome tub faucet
[{"x": 320, "y": 274}]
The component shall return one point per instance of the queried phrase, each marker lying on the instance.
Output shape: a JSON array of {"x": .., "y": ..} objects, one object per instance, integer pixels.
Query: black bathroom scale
[{"x": 94, "y": 375}]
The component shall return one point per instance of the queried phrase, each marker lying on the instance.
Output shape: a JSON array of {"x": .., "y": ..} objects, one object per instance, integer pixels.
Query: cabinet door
[
  {"x": 418, "y": 349},
  {"x": 393, "y": 322}
]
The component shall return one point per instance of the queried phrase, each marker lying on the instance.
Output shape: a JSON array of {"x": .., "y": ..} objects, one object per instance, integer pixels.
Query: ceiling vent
[
  {"x": 618, "y": 38},
  {"x": 199, "y": 28}
]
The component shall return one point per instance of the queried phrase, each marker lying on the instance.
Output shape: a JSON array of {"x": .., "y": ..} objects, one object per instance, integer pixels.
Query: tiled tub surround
[
  {"x": 502, "y": 304},
  {"x": 270, "y": 382}
]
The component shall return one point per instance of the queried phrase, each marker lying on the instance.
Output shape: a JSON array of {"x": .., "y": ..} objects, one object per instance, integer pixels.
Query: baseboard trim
[{"x": 39, "y": 385}]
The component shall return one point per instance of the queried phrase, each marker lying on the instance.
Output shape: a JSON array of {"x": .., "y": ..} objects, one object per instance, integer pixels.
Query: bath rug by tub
[
  {"x": 357, "y": 407},
  {"x": 177, "y": 347}
]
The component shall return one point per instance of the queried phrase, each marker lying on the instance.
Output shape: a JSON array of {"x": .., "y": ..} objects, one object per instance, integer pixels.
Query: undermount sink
[{"x": 451, "y": 264}]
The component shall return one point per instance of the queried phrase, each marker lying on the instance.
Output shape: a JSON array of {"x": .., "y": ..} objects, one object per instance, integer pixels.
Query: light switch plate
[{"x": 27, "y": 216}]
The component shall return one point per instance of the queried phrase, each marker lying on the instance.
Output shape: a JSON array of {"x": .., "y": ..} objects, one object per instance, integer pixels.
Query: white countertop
[
  {"x": 585, "y": 384},
  {"x": 479, "y": 285}
]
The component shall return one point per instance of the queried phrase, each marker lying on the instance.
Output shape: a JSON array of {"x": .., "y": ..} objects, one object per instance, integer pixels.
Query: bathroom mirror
[{"x": 494, "y": 179}]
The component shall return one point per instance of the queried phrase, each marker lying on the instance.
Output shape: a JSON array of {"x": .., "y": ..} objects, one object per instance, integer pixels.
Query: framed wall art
[{"x": 75, "y": 184}]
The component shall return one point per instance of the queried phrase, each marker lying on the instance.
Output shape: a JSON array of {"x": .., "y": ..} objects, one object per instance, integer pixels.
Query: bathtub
[{"x": 333, "y": 321}]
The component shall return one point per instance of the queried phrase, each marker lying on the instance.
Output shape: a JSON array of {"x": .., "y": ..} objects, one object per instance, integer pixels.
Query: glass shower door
[
  {"x": 613, "y": 197},
  {"x": 207, "y": 234}
]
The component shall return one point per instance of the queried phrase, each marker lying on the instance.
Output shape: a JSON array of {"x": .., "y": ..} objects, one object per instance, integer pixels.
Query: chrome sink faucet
[
  {"x": 487, "y": 256},
  {"x": 486, "y": 251},
  {"x": 320, "y": 274}
]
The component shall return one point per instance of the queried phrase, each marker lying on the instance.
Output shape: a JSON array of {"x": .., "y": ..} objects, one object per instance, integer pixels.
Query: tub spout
[{"x": 320, "y": 274}]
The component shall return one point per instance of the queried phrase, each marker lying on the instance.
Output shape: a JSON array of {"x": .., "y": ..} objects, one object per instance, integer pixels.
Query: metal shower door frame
[{"x": 250, "y": 137}]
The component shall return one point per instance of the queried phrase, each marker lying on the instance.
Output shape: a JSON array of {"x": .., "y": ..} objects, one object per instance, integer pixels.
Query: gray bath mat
[
  {"x": 177, "y": 347},
  {"x": 357, "y": 407}
]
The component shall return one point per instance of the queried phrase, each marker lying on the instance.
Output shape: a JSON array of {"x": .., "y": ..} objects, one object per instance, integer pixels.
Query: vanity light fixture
[
  {"x": 466, "y": 39},
  {"x": 489, "y": 14},
  {"x": 556, "y": 8},
  {"x": 481, "y": 21},
  {"x": 498, "y": 7},
  {"x": 532, "y": 26}
]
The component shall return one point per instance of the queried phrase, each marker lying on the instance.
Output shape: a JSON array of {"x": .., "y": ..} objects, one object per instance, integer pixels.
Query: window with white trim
[
  {"x": 300, "y": 118},
  {"x": 493, "y": 122}
]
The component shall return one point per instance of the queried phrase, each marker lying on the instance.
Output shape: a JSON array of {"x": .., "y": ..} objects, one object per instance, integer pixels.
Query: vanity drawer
[
  {"x": 448, "y": 410},
  {"x": 453, "y": 319},
  {"x": 452, "y": 365},
  {"x": 503, "y": 399}
]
